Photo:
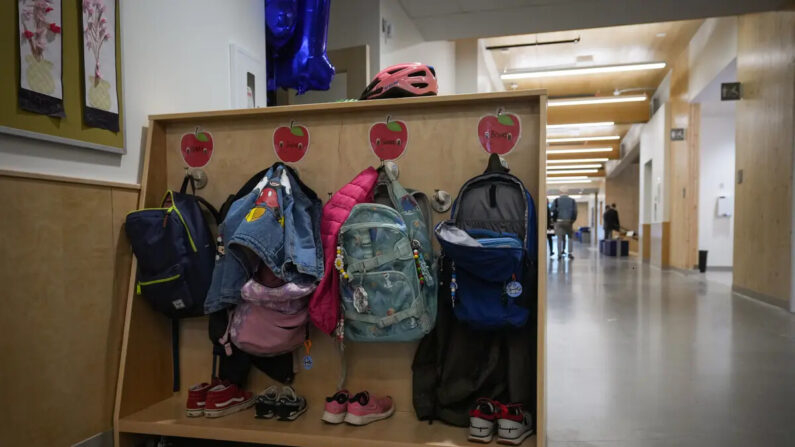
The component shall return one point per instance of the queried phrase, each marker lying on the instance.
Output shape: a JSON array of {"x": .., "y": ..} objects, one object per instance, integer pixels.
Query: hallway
[{"x": 643, "y": 357}]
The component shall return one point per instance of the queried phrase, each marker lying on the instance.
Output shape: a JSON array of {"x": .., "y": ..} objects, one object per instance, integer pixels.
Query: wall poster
[
  {"x": 99, "y": 65},
  {"x": 40, "y": 57}
]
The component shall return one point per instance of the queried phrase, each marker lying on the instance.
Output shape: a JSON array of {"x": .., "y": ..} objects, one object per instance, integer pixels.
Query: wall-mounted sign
[
  {"x": 498, "y": 134},
  {"x": 196, "y": 148},
  {"x": 389, "y": 139},
  {"x": 730, "y": 91},
  {"x": 678, "y": 134},
  {"x": 291, "y": 143}
]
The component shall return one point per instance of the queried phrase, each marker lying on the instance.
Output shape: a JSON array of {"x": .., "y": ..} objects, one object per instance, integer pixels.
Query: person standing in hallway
[
  {"x": 611, "y": 221},
  {"x": 550, "y": 229},
  {"x": 564, "y": 208}
]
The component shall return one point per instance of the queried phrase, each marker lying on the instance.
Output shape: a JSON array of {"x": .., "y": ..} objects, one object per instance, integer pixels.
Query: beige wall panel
[
  {"x": 62, "y": 318},
  {"x": 764, "y": 134}
]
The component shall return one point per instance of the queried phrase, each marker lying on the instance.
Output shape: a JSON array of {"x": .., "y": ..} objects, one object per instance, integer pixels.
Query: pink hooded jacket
[{"x": 325, "y": 303}]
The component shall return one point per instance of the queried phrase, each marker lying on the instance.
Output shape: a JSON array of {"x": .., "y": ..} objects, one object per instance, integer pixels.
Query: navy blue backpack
[
  {"x": 490, "y": 243},
  {"x": 175, "y": 251}
]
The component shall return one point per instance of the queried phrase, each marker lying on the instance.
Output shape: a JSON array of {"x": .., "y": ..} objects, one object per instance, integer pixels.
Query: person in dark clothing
[
  {"x": 611, "y": 221},
  {"x": 550, "y": 230}
]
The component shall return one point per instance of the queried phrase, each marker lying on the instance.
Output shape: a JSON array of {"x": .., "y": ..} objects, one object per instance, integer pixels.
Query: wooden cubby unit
[{"x": 443, "y": 152}]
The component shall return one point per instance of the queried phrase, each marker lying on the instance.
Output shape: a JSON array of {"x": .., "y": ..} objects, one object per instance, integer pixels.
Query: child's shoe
[
  {"x": 267, "y": 402},
  {"x": 291, "y": 405},
  {"x": 363, "y": 409},
  {"x": 225, "y": 399},
  {"x": 514, "y": 425},
  {"x": 483, "y": 420},
  {"x": 336, "y": 407}
]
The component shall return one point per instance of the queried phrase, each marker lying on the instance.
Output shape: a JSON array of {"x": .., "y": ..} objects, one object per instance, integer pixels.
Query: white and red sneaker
[
  {"x": 226, "y": 398},
  {"x": 483, "y": 420},
  {"x": 197, "y": 396},
  {"x": 514, "y": 425}
]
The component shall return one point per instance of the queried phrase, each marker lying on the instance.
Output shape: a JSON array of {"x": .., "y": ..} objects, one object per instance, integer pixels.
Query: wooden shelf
[{"x": 168, "y": 418}]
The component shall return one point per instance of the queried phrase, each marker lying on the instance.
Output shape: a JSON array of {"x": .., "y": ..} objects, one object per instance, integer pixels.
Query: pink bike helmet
[{"x": 401, "y": 80}]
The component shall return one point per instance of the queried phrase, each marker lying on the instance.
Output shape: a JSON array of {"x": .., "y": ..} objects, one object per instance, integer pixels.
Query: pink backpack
[
  {"x": 264, "y": 332},
  {"x": 270, "y": 321}
]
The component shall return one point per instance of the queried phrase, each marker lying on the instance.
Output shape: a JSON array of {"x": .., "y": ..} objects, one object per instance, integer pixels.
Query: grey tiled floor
[{"x": 643, "y": 357}]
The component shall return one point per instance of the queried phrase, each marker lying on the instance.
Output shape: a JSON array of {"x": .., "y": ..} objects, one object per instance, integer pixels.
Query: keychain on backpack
[
  {"x": 423, "y": 272},
  {"x": 307, "y": 346},
  {"x": 514, "y": 288},
  {"x": 453, "y": 285},
  {"x": 339, "y": 263}
]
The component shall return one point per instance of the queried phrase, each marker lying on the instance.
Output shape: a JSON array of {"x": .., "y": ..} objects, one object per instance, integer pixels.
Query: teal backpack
[{"x": 386, "y": 264}]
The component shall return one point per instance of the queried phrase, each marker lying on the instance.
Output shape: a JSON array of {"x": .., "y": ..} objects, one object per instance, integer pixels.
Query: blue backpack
[
  {"x": 386, "y": 263},
  {"x": 175, "y": 251},
  {"x": 490, "y": 242}
]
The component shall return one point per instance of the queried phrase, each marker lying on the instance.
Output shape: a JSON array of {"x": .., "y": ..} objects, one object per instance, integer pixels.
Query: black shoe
[
  {"x": 267, "y": 403},
  {"x": 291, "y": 405}
]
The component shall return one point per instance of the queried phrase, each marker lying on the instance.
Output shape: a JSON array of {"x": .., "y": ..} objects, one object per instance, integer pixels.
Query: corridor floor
[{"x": 643, "y": 357}]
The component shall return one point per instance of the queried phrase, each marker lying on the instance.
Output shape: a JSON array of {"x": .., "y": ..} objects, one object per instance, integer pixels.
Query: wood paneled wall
[
  {"x": 64, "y": 275},
  {"x": 683, "y": 180},
  {"x": 764, "y": 148}
]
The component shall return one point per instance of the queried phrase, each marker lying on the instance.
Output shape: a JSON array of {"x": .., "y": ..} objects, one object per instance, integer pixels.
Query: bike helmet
[{"x": 402, "y": 80}]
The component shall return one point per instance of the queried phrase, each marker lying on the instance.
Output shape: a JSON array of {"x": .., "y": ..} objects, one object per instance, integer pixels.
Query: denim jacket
[{"x": 278, "y": 224}]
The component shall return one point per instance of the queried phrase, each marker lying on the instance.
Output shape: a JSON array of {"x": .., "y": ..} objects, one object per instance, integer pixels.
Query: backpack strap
[
  {"x": 402, "y": 250},
  {"x": 383, "y": 322},
  {"x": 175, "y": 352},
  {"x": 226, "y": 339}
]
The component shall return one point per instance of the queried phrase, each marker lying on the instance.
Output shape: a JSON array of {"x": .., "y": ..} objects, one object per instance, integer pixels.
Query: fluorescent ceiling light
[
  {"x": 573, "y": 71},
  {"x": 571, "y": 177},
  {"x": 560, "y": 182},
  {"x": 577, "y": 151},
  {"x": 575, "y": 166},
  {"x": 588, "y": 100},
  {"x": 574, "y": 139},
  {"x": 566, "y": 126},
  {"x": 579, "y": 160},
  {"x": 575, "y": 171}
]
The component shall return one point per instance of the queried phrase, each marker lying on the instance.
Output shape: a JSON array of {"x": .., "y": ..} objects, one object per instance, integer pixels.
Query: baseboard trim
[
  {"x": 104, "y": 439},
  {"x": 767, "y": 299}
]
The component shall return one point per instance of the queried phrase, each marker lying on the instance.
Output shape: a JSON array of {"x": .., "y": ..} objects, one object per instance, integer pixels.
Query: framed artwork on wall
[{"x": 40, "y": 57}]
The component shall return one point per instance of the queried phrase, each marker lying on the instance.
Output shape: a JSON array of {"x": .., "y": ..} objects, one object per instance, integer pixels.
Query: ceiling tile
[{"x": 429, "y": 8}]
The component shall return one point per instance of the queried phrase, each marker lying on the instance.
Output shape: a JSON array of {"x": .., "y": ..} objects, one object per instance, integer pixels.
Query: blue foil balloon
[
  {"x": 302, "y": 64},
  {"x": 280, "y": 21}
]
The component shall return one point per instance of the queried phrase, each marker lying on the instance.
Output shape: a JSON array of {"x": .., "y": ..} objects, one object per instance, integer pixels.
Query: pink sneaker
[
  {"x": 336, "y": 407},
  {"x": 362, "y": 409}
]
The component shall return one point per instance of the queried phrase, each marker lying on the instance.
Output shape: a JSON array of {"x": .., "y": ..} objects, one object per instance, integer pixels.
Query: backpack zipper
[{"x": 154, "y": 281}]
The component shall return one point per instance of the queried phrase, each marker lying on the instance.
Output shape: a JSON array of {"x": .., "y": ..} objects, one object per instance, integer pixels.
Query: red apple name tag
[
  {"x": 389, "y": 139},
  {"x": 196, "y": 148},
  {"x": 498, "y": 134},
  {"x": 291, "y": 143}
]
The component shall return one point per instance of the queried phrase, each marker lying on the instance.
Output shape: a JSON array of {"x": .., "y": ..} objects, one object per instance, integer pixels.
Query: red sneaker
[
  {"x": 225, "y": 398},
  {"x": 514, "y": 425},
  {"x": 197, "y": 396}
]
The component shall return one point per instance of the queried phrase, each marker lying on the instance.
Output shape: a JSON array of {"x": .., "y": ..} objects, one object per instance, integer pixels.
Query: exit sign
[{"x": 730, "y": 91}]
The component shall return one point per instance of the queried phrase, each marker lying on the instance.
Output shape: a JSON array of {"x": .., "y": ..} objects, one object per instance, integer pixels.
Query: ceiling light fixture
[
  {"x": 578, "y": 151},
  {"x": 573, "y": 139},
  {"x": 595, "y": 100},
  {"x": 574, "y": 71},
  {"x": 561, "y": 182},
  {"x": 574, "y": 171},
  {"x": 575, "y": 125},
  {"x": 571, "y": 177},
  {"x": 575, "y": 166},
  {"x": 579, "y": 160}
]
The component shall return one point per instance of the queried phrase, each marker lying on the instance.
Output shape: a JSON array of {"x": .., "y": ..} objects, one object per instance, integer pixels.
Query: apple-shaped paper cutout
[
  {"x": 291, "y": 142},
  {"x": 196, "y": 148},
  {"x": 499, "y": 133},
  {"x": 388, "y": 140}
]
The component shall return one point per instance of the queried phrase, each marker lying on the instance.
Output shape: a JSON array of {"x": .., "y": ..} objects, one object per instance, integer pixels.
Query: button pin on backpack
[
  {"x": 360, "y": 299},
  {"x": 178, "y": 304}
]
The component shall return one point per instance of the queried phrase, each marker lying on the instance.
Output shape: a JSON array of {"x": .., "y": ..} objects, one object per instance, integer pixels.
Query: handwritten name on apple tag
[
  {"x": 196, "y": 148},
  {"x": 389, "y": 139},
  {"x": 499, "y": 133},
  {"x": 291, "y": 143}
]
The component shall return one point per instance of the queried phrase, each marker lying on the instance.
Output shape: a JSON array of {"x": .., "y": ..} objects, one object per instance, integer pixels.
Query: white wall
[
  {"x": 716, "y": 177},
  {"x": 407, "y": 45},
  {"x": 175, "y": 58},
  {"x": 654, "y": 147},
  {"x": 711, "y": 49},
  {"x": 353, "y": 23}
]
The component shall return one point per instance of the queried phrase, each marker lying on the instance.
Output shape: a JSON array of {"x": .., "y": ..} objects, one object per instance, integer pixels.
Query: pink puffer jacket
[{"x": 325, "y": 303}]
